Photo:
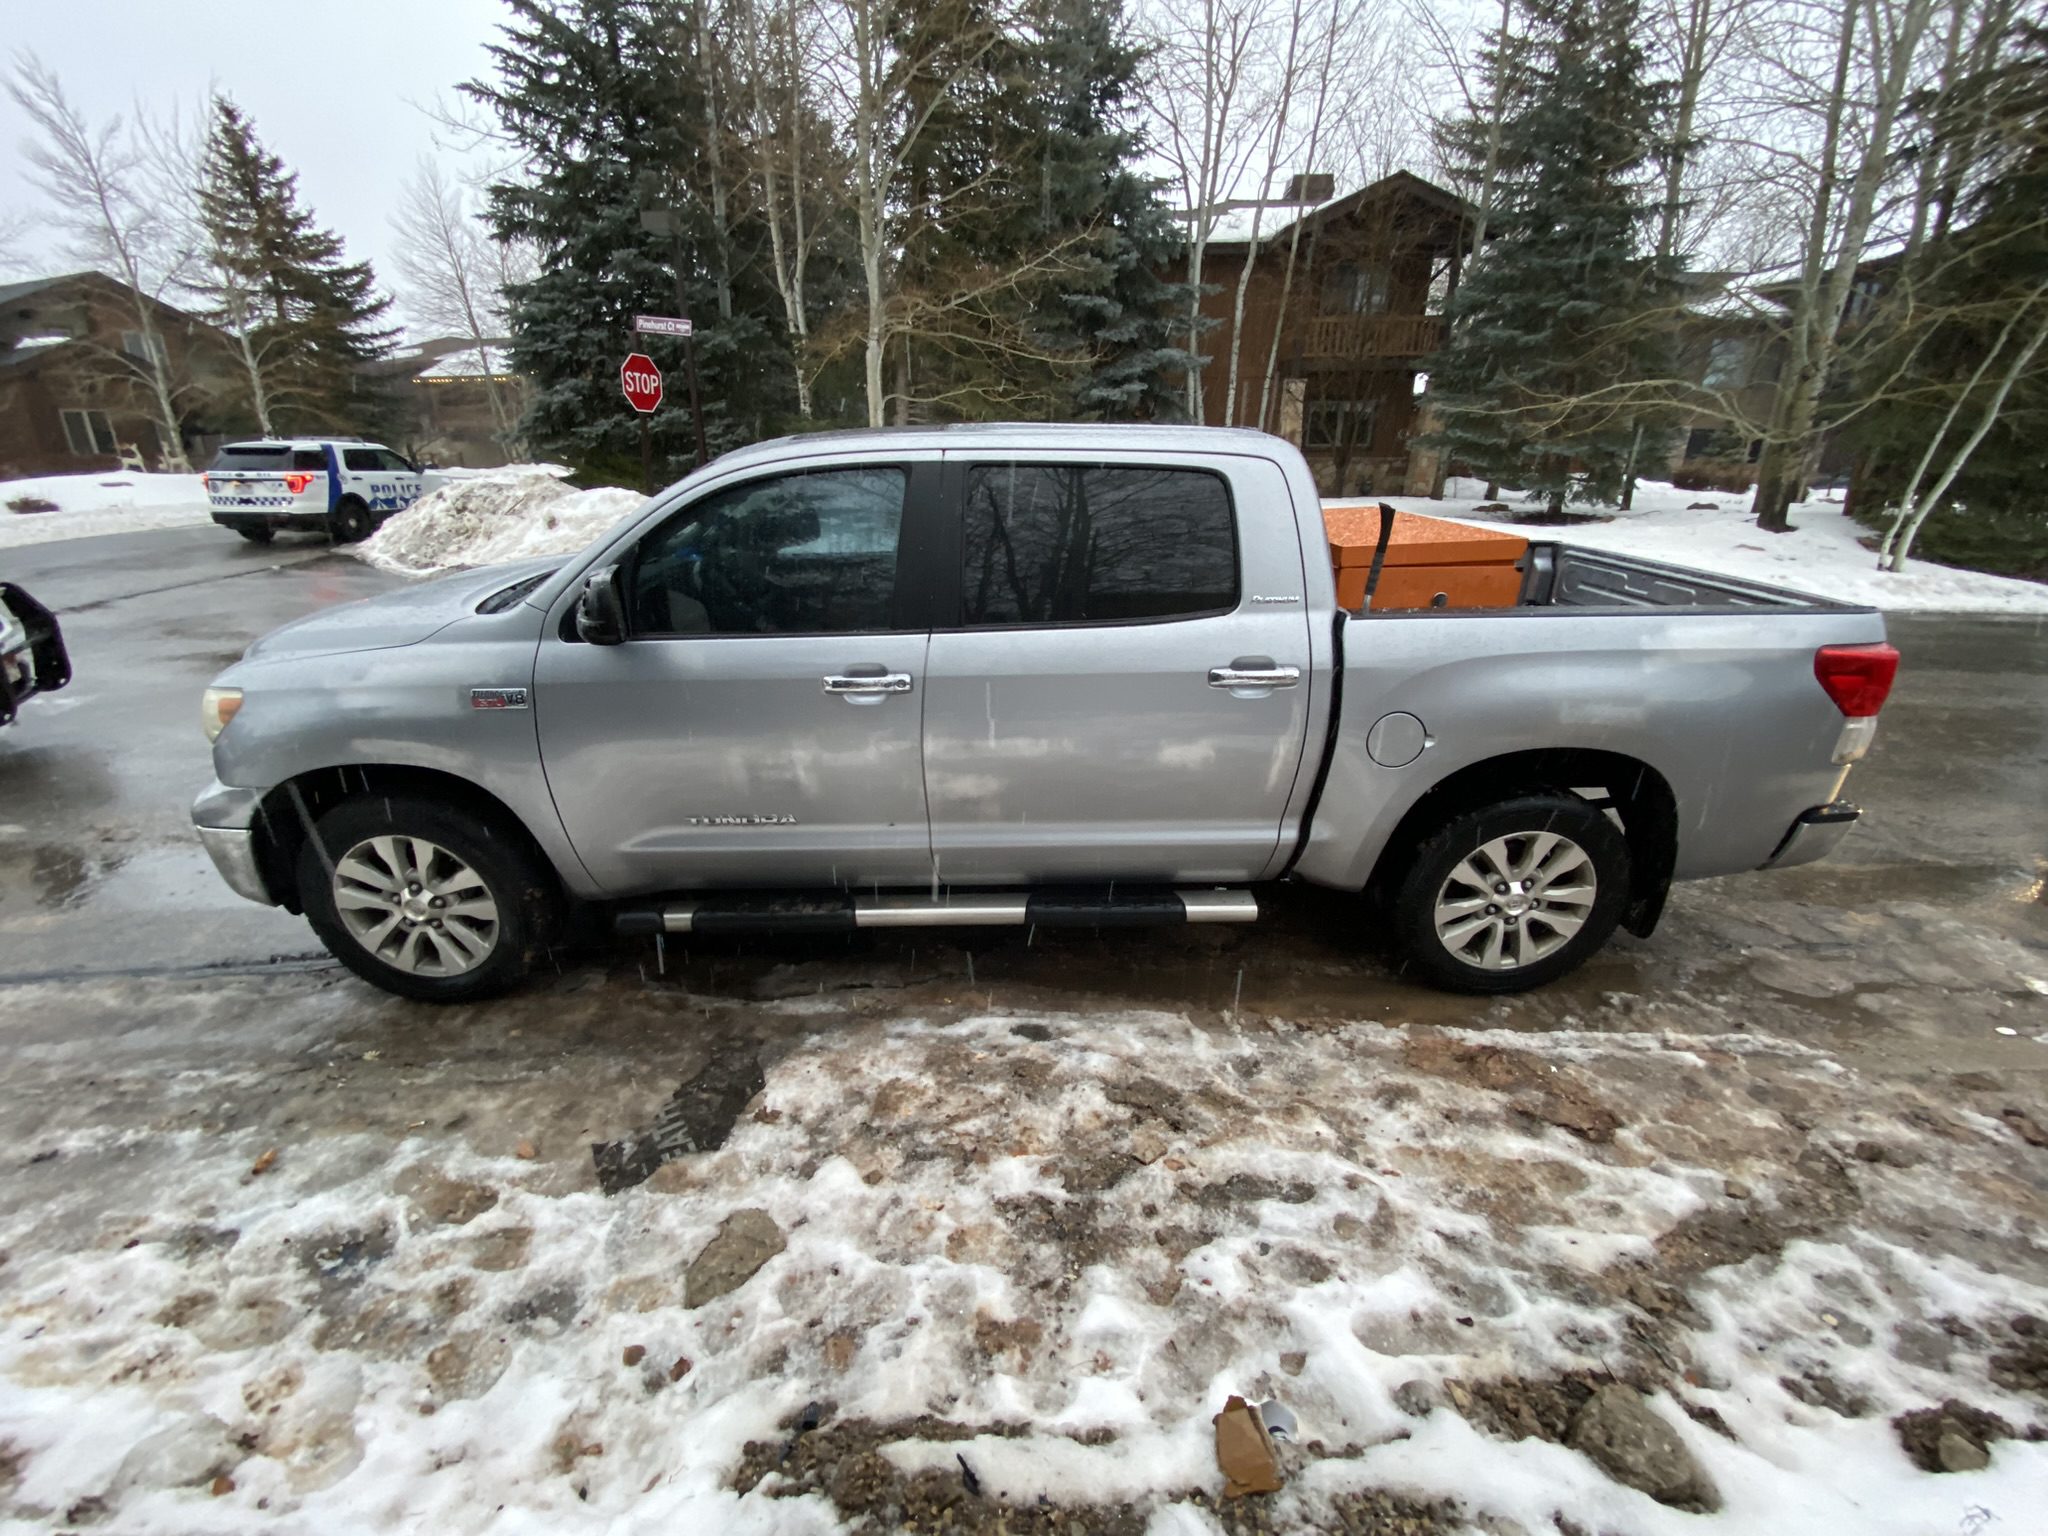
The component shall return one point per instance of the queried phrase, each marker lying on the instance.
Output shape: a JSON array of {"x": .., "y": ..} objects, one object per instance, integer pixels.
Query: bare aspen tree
[
  {"x": 239, "y": 308},
  {"x": 455, "y": 276},
  {"x": 2027, "y": 324},
  {"x": 1480, "y": 101},
  {"x": 1875, "y": 47},
  {"x": 1204, "y": 77},
  {"x": 1694, "y": 36},
  {"x": 1285, "y": 87},
  {"x": 775, "y": 54},
  {"x": 888, "y": 98},
  {"x": 1318, "y": 108},
  {"x": 710, "y": 85},
  {"x": 118, "y": 215}
]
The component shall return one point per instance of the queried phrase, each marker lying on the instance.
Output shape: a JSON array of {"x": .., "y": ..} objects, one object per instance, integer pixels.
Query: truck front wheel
[
  {"x": 423, "y": 900},
  {"x": 1513, "y": 895}
]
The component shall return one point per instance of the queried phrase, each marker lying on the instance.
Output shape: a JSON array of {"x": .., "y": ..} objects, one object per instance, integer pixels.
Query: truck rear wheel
[
  {"x": 256, "y": 533},
  {"x": 1512, "y": 895},
  {"x": 423, "y": 900}
]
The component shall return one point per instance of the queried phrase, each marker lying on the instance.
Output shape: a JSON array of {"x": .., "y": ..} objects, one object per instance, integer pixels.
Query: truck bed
[
  {"x": 1388, "y": 562},
  {"x": 1564, "y": 576}
]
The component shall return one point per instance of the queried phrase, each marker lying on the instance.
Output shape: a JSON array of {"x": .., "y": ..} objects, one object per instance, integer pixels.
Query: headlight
[{"x": 217, "y": 707}]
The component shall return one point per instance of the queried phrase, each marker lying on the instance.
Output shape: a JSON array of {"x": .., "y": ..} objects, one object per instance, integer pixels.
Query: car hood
[{"x": 404, "y": 617}]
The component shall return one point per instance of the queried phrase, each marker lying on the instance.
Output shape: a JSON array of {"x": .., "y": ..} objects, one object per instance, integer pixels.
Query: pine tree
[
  {"x": 1563, "y": 309},
  {"x": 306, "y": 318},
  {"x": 1084, "y": 77},
  {"x": 1023, "y": 188},
  {"x": 605, "y": 99}
]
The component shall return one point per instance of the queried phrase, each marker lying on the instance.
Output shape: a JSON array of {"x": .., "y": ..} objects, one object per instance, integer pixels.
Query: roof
[
  {"x": 471, "y": 362},
  {"x": 29, "y": 287},
  {"x": 29, "y": 350},
  {"x": 1235, "y": 228},
  {"x": 300, "y": 442},
  {"x": 1028, "y": 436}
]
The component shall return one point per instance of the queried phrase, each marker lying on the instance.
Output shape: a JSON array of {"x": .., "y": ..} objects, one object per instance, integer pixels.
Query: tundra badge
[{"x": 497, "y": 698}]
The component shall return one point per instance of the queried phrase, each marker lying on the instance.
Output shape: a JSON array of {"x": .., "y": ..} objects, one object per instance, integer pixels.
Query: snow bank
[
  {"x": 1713, "y": 531},
  {"x": 487, "y": 519},
  {"x": 108, "y": 502}
]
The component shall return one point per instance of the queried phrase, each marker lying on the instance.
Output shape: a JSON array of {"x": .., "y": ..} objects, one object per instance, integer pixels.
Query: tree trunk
[
  {"x": 1824, "y": 290},
  {"x": 713, "y": 132}
]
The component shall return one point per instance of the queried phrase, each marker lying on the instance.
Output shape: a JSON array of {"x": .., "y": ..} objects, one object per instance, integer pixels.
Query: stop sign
[{"x": 641, "y": 381}]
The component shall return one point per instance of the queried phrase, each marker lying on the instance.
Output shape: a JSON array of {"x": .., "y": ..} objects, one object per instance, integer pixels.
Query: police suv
[{"x": 340, "y": 486}]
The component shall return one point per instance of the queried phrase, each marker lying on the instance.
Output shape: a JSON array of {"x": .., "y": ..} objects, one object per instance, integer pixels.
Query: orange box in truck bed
[{"x": 1430, "y": 563}]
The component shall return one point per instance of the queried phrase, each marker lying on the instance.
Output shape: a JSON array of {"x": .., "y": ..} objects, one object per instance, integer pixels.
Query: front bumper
[
  {"x": 1814, "y": 835},
  {"x": 225, "y": 819}
]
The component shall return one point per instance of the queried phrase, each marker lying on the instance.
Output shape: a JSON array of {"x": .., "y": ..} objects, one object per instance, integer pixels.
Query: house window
[
  {"x": 1727, "y": 363},
  {"x": 1327, "y": 425},
  {"x": 140, "y": 347},
  {"x": 88, "y": 432},
  {"x": 1349, "y": 289}
]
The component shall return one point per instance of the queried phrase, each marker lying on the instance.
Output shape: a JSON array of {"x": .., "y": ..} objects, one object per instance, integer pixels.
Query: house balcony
[{"x": 1366, "y": 338}]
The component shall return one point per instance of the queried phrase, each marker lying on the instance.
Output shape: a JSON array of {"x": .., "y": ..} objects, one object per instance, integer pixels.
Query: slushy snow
[
  {"x": 112, "y": 501},
  {"x": 1713, "y": 531},
  {"x": 488, "y": 519},
  {"x": 958, "y": 1250}
]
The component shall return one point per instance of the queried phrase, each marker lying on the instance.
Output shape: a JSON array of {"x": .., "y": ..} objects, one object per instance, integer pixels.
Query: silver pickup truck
[{"x": 1019, "y": 675}]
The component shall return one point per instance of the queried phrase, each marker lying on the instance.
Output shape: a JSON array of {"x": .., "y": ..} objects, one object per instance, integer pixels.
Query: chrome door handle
[
  {"x": 1254, "y": 677},
  {"x": 883, "y": 682}
]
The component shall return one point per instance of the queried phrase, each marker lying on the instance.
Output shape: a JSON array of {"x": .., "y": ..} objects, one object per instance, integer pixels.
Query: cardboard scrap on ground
[{"x": 1245, "y": 1452}]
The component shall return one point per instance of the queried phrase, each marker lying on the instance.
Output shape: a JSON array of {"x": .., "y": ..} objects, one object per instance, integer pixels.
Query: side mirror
[{"x": 600, "y": 612}]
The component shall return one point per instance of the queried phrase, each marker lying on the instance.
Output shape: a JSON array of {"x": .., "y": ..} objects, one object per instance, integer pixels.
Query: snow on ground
[
  {"x": 1046, "y": 1247},
  {"x": 495, "y": 516},
  {"x": 1713, "y": 531},
  {"x": 111, "y": 502}
]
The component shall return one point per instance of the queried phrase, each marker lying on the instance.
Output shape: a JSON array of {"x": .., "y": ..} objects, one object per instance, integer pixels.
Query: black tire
[
  {"x": 350, "y": 521},
  {"x": 257, "y": 533},
  {"x": 1466, "y": 836},
  {"x": 521, "y": 888}
]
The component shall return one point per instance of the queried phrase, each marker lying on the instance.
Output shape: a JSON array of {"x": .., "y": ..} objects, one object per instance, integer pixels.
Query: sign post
[
  {"x": 641, "y": 382},
  {"x": 679, "y": 325}
]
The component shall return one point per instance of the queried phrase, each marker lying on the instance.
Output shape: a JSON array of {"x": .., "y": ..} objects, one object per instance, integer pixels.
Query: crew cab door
[
  {"x": 386, "y": 481},
  {"x": 1120, "y": 687},
  {"x": 759, "y": 726}
]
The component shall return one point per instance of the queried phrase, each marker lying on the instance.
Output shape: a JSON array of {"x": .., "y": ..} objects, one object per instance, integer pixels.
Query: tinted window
[
  {"x": 253, "y": 458},
  {"x": 798, "y": 554},
  {"x": 1068, "y": 544},
  {"x": 309, "y": 458},
  {"x": 361, "y": 459},
  {"x": 393, "y": 462}
]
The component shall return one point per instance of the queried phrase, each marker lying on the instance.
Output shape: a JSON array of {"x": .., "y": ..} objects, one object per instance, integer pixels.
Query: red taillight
[
  {"x": 206, "y": 482},
  {"x": 297, "y": 483},
  {"x": 1856, "y": 677}
]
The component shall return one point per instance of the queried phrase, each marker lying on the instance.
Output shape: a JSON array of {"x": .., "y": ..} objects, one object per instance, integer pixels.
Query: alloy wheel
[
  {"x": 415, "y": 906},
  {"x": 1516, "y": 900}
]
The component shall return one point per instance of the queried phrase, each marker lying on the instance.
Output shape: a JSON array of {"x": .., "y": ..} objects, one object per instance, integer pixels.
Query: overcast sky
[{"x": 331, "y": 85}]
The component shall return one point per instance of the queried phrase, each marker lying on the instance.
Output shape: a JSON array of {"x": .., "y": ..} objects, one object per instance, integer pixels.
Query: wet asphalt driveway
[{"x": 1912, "y": 946}]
